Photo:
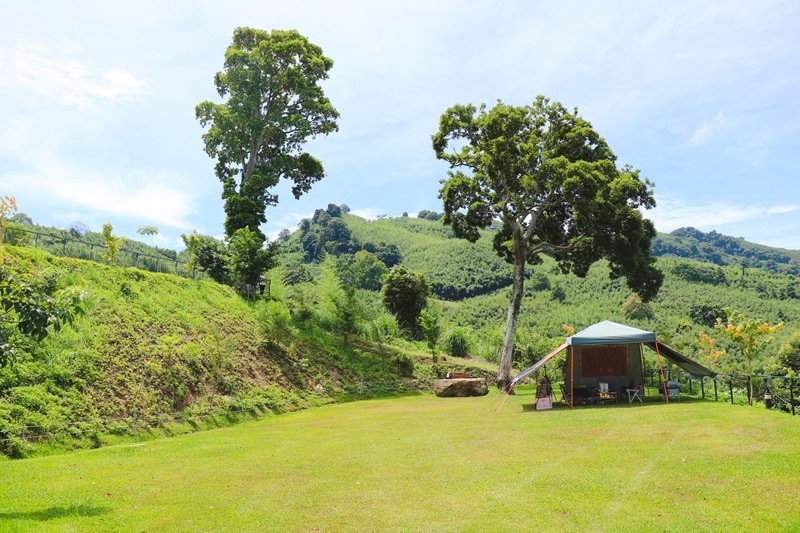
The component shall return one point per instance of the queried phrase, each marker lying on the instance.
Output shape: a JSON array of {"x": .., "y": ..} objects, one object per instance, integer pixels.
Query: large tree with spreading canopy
[
  {"x": 274, "y": 105},
  {"x": 554, "y": 185}
]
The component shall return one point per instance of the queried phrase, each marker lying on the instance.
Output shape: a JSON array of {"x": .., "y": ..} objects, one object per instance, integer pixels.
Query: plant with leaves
[
  {"x": 274, "y": 104},
  {"x": 210, "y": 254},
  {"x": 789, "y": 355},
  {"x": 706, "y": 346},
  {"x": 431, "y": 328},
  {"x": 457, "y": 342},
  {"x": 750, "y": 335},
  {"x": 113, "y": 243},
  {"x": 634, "y": 308},
  {"x": 248, "y": 259},
  {"x": 367, "y": 271},
  {"x": 405, "y": 295},
  {"x": 28, "y": 308},
  {"x": 347, "y": 311},
  {"x": 8, "y": 206},
  {"x": 150, "y": 231},
  {"x": 554, "y": 184}
]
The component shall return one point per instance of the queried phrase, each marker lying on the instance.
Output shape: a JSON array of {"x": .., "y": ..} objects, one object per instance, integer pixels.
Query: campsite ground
[{"x": 425, "y": 463}]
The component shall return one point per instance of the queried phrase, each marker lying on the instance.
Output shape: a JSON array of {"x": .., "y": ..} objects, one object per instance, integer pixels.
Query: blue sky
[{"x": 97, "y": 103}]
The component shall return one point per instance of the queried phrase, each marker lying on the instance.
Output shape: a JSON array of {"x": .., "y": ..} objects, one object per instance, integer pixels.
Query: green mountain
[
  {"x": 713, "y": 247},
  {"x": 472, "y": 284}
]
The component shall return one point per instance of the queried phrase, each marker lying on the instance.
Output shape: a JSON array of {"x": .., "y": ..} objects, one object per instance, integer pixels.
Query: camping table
[{"x": 603, "y": 397}]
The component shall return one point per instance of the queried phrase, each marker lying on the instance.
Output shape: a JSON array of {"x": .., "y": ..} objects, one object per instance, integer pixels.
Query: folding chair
[
  {"x": 564, "y": 395},
  {"x": 634, "y": 394}
]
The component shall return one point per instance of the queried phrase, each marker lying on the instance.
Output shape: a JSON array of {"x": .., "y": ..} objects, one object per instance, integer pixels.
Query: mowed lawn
[{"x": 425, "y": 463}]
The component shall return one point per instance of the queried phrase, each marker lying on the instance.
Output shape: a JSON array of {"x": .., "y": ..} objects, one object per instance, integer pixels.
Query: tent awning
[
  {"x": 537, "y": 366},
  {"x": 680, "y": 360}
]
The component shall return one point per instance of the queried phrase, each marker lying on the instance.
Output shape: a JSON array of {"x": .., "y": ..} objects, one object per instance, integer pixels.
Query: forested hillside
[
  {"x": 713, "y": 247},
  {"x": 471, "y": 285}
]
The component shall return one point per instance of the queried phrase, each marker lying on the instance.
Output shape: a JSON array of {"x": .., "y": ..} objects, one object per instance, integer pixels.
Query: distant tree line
[{"x": 713, "y": 247}]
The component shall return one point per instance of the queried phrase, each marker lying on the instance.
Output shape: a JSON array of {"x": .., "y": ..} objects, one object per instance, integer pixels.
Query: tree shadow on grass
[{"x": 53, "y": 513}]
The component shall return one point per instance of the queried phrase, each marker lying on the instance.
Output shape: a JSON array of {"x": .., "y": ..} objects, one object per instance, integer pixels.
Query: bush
[
  {"x": 636, "y": 309},
  {"x": 274, "y": 319},
  {"x": 457, "y": 342},
  {"x": 404, "y": 364}
]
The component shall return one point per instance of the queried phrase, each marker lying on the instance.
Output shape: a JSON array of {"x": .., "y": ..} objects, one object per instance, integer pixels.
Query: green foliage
[
  {"x": 294, "y": 273},
  {"x": 430, "y": 215},
  {"x": 366, "y": 271},
  {"x": 553, "y": 183},
  {"x": 248, "y": 260},
  {"x": 405, "y": 295},
  {"x": 752, "y": 336},
  {"x": 33, "y": 307},
  {"x": 274, "y": 104},
  {"x": 540, "y": 281},
  {"x": 789, "y": 355},
  {"x": 275, "y": 320},
  {"x": 706, "y": 314},
  {"x": 210, "y": 254},
  {"x": 347, "y": 311},
  {"x": 699, "y": 273},
  {"x": 723, "y": 250},
  {"x": 429, "y": 323},
  {"x": 148, "y": 230},
  {"x": 158, "y": 344},
  {"x": 8, "y": 206},
  {"x": 457, "y": 342},
  {"x": 112, "y": 243},
  {"x": 405, "y": 365},
  {"x": 633, "y": 307},
  {"x": 454, "y": 269}
]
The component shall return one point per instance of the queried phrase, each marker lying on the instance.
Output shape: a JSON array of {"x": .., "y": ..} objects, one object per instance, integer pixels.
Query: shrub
[
  {"x": 404, "y": 364},
  {"x": 636, "y": 309},
  {"x": 457, "y": 342},
  {"x": 539, "y": 282},
  {"x": 274, "y": 319}
]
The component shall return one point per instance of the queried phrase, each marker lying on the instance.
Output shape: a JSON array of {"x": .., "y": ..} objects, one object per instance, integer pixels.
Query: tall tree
[
  {"x": 274, "y": 104},
  {"x": 554, "y": 184}
]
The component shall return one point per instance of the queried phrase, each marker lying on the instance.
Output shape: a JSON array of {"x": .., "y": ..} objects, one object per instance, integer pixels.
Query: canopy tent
[{"x": 611, "y": 352}]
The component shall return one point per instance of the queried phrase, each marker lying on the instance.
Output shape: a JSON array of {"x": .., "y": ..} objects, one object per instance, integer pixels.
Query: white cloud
[
  {"x": 673, "y": 213},
  {"x": 136, "y": 195},
  {"x": 708, "y": 130},
  {"x": 369, "y": 213},
  {"x": 65, "y": 79},
  {"x": 782, "y": 209}
]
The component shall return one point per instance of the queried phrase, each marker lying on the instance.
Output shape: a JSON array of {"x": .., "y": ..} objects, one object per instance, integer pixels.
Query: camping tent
[{"x": 611, "y": 353}]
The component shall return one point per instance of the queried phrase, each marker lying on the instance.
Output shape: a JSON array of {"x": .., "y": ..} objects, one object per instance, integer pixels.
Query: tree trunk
[{"x": 514, "y": 306}]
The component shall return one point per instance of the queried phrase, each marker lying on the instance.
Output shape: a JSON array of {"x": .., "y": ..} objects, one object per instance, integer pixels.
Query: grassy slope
[
  {"x": 425, "y": 463},
  {"x": 154, "y": 344}
]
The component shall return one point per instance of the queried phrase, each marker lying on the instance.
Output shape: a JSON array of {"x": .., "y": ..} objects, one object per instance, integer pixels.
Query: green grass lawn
[{"x": 425, "y": 463}]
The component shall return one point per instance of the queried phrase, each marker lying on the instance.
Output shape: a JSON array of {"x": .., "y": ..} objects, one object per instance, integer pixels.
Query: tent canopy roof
[{"x": 607, "y": 332}]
